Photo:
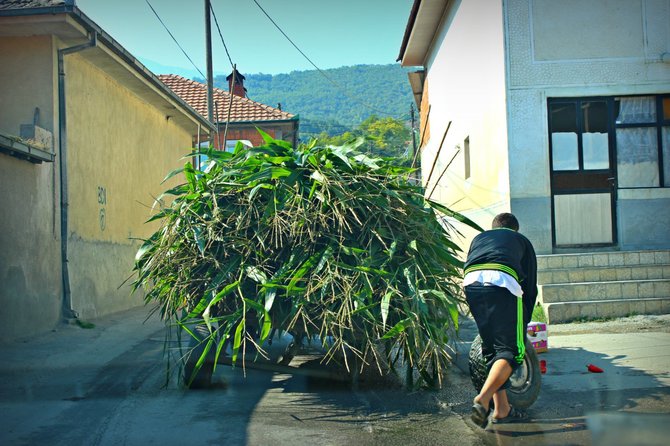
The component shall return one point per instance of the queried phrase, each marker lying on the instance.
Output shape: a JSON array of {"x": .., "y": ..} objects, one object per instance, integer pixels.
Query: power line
[
  {"x": 175, "y": 40},
  {"x": 338, "y": 86},
  {"x": 221, "y": 35}
]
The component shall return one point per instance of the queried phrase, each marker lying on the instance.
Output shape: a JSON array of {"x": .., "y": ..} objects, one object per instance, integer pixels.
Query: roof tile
[
  {"x": 27, "y": 4},
  {"x": 242, "y": 109}
]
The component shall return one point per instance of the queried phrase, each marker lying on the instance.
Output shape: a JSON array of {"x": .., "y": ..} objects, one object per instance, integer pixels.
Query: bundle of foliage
[{"x": 320, "y": 241}]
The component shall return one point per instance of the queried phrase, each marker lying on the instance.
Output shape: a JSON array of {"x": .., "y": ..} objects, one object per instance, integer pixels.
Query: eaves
[
  {"x": 73, "y": 27},
  {"x": 423, "y": 24}
]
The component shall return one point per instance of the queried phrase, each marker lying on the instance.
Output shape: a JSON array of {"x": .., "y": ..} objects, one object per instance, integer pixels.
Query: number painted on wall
[
  {"x": 102, "y": 195},
  {"x": 102, "y": 201}
]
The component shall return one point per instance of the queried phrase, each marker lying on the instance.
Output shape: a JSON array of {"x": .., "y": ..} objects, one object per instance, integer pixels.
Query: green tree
[
  {"x": 391, "y": 137},
  {"x": 385, "y": 137}
]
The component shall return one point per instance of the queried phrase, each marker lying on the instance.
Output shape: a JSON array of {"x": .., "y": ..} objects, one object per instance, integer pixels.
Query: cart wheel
[{"x": 525, "y": 382}]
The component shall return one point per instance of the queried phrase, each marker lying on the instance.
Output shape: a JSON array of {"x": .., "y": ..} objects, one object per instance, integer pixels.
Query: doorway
[{"x": 583, "y": 172}]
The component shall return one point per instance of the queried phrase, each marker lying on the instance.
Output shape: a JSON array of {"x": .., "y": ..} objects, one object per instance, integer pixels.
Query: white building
[{"x": 555, "y": 110}]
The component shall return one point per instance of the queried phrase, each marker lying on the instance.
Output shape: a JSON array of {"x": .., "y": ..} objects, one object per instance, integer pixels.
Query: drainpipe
[{"x": 68, "y": 311}]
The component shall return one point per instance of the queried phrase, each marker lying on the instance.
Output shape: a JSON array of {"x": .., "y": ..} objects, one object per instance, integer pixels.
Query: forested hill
[{"x": 333, "y": 100}]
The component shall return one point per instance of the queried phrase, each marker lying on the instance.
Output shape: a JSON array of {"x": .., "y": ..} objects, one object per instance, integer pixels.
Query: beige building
[{"x": 87, "y": 134}]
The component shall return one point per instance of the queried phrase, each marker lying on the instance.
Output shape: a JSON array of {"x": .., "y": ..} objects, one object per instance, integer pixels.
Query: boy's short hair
[{"x": 505, "y": 220}]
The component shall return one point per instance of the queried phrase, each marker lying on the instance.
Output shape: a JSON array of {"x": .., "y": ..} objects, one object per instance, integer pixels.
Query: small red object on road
[
  {"x": 543, "y": 366},
  {"x": 594, "y": 368}
]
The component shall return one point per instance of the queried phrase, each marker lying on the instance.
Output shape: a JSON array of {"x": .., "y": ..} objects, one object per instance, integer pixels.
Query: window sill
[{"x": 650, "y": 193}]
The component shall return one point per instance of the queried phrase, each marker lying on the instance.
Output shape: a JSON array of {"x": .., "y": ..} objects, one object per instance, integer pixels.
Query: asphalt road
[
  {"x": 627, "y": 404},
  {"x": 106, "y": 386}
]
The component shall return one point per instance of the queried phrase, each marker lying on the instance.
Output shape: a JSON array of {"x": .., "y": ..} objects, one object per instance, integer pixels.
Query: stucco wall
[
  {"x": 119, "y": 150},
  {"x": 644, "y": 218},
  {"x": 465, "y": 78},
  {"x": 606, "y": 48},
  {"x": 30, "y": 277}
]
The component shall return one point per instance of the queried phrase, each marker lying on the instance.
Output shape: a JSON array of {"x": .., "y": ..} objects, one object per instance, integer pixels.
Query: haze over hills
[{"x": 334, "y": 100}]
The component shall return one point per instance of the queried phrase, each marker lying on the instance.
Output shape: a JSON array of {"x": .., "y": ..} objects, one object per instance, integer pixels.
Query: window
[
  {"x": 643, "y": 141},
  {"x": 579, "y": 135},
  {"x": 582, "y": 130},
  {"x": 201, "y": 162},
  {"x": 230, "y": 145},
  {"x": 564, "y": 131}
]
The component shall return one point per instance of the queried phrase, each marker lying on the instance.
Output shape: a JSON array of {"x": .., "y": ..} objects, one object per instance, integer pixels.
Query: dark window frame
[{"x": 659, "y": 124}]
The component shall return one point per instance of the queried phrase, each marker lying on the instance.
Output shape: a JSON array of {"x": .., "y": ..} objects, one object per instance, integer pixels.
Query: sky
[{"x": 331, "y": 33}]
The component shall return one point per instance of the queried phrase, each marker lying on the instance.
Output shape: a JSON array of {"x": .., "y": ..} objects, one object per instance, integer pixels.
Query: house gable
[{"x": 242, "y": 115}]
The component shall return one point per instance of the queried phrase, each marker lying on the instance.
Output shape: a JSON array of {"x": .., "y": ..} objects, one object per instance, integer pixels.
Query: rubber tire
[{"x": 526, "y": 381}]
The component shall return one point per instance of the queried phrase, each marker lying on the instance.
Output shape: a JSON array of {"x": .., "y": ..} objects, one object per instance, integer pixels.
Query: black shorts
[{"x": 499, "y": 317}]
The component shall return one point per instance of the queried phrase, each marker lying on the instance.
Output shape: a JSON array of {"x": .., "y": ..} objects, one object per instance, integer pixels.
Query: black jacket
[{"x": 508, "y": 251}]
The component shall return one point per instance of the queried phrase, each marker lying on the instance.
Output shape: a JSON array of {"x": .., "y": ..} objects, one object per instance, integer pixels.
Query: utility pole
[
  {"x": 210, "y": 75},
  {"x": 411, "y": 113}
]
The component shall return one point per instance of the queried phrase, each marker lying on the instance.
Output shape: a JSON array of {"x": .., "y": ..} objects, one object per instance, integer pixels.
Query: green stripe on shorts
[{"x": 520, "y": 331}]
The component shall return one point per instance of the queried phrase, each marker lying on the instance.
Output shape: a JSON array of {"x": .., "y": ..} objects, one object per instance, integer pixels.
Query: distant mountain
[
  {"x": 333, "y": 100},
  {"x": 159, "y": 68}
]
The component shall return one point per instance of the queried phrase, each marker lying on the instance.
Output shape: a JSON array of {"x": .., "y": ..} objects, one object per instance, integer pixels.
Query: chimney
[{"x": 237, "y": 89}]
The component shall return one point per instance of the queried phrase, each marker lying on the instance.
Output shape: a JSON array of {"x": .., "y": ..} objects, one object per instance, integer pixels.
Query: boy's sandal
[
  {"x": 480, "y": 416},
  {"x": 514, "y": 416}
]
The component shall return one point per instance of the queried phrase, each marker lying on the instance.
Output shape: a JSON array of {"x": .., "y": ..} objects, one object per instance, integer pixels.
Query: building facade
[
  {"x": 87, "y": 134},
  {"x": 558, "y": 111}
]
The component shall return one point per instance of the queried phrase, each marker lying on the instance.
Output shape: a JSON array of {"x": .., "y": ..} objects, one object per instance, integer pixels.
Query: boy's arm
[{"x": 530, "y": 284}]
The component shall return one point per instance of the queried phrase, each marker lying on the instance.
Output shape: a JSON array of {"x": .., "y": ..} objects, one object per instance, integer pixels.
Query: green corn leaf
[
  {"x": 189, "y": 173},
  {"x": 256, "y": 274},
  {"x": 398, "y": 328},
  {"x": 199, "y": 239},
  {"x": 203, "y": 355},
  {"x": 172, "y": 174},
  {"x": 207, "y": 318},
  {"x": 386, "y": 301},
  {"x": 270, "y": 294},
  {"x": 237, "y": 340}
]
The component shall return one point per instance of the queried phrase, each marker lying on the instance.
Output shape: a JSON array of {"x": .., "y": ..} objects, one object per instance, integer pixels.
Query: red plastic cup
[
  {"x": 594, "y": 368},
  {"x": 543, "y": 366}
]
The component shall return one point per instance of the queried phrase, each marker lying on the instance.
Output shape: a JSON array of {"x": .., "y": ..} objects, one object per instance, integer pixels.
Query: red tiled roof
[
  {"x": 242, "y": 110},
  {"x": 27, "y": 4}
]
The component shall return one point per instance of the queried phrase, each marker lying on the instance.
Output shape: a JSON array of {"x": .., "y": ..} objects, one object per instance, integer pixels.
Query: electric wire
[
  {"x": 322, "y": 72},
  {"x": 175, "y": 40},
  {"x": 225, "y": 47}
]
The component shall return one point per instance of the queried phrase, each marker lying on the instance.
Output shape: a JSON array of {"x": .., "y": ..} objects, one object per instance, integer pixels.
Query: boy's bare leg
[
  {"x": 501, "y": 403},
  {"x": 499, "y": 373}
]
